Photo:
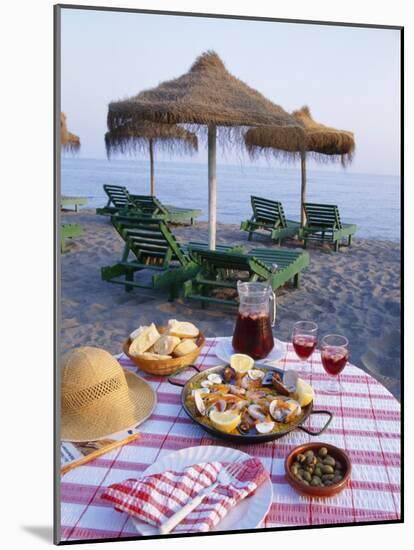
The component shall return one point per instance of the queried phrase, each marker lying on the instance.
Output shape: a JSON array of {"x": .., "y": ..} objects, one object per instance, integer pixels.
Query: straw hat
[{"x": 99, "y": 397}]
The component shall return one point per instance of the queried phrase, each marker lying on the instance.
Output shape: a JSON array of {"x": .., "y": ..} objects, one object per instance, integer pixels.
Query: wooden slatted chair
[
  {"x": 220, "y": 269},
  {"x": 154, "y": 207},
  {"x": 68, "y": 231},
  {"x": 269, "y": 216},
  {"x": 323, "y": 224},
  {"x": 152, "y": 247},
  {"x": 119, "y": 200}
]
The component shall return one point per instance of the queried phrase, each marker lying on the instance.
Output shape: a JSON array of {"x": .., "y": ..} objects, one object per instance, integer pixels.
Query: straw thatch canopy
[
  {"x": 320, "y": 142},
  {"x": 206, "y": 95},
  {"x": 68, "y": 140},
  {"x": 169, "y": 137},
  {"x": 144, "y": 136}
]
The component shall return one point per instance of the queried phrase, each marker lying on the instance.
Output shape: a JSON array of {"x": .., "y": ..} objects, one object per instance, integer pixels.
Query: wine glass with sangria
[
  {"x": 334, "y": 355},
  {"x": 304, "y": 339}
]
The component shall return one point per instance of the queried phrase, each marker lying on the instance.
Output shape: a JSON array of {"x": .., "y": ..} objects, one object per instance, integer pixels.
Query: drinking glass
[
  {"x": 334, "y": 355},
  {"x": 304, "y": 339}
]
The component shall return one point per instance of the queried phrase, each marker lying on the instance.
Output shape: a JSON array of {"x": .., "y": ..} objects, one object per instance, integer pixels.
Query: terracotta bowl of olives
[{"x": 318, "y": 469}]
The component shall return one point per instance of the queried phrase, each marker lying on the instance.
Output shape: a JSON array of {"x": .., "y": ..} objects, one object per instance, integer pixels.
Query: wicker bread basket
[{"x": 165, "y": 367}]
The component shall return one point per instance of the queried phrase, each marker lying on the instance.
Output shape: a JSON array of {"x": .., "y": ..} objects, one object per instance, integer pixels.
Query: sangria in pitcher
[{"x": 257, "y": 313}]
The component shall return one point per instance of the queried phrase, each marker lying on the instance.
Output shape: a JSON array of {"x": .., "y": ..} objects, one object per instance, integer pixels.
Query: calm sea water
[{"x": 371, "y": 201}]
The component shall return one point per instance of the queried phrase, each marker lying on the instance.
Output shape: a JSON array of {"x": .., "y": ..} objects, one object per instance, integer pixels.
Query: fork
[{"x": 224, "y": 477}]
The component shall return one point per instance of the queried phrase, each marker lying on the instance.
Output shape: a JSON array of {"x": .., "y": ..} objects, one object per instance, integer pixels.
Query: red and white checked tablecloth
[{"x": 366, "y": 424}]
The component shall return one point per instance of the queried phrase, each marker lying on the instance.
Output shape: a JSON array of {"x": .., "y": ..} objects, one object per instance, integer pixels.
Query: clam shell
[
  {"x": 265, "y": 427},
  {"x": 214, "y": 378},
  {"x": 206, "y": 384},
  {"x": 290, "y": 379},
  {"x": 201, "y": 408},
  {"x": 255, "y": 374}
]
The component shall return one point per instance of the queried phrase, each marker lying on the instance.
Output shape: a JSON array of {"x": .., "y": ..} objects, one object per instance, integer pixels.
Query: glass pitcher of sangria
[{"x": 256, "y": 317}]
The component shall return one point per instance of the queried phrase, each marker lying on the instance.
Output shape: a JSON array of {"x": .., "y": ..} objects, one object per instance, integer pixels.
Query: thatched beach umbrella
[
  {"x": 144, "y": 136},
  {"x": 207, "y": 95},
  {"x": 321, "y": 143},
  {"x": 68, "y": 140}
]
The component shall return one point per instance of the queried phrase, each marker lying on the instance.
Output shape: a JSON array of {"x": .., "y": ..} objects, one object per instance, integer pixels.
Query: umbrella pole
[
  {"x": 303, "y": 188},
  {"x": 151, "y": 154},
  {"x": 212, "y": 186}
]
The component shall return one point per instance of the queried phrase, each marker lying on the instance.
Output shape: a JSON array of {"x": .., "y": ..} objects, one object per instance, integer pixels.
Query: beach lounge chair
[
  {"x": 68, "y": 231},
  {"x": 66, "y": 201},
  {"x": 323, "y": 223},
  {"x": 152, "y": 206},
  {"x": 154, "y": 248},
  {"x": 119, "y": 200},
  {"x": 221, "y": 270},
  {"x": 269, "y": 216}
]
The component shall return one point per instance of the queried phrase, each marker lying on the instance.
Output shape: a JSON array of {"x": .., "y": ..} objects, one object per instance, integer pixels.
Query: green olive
[
  {"x": 329, "y": 461},
  {"x": 323, "y": 451},
  {"x": 294, "y": 469},
  {"x": 305, "y": 482},
  {"x": 301, "y": 471},
  {"x": 317, "y": 471},
  {"x": 300, "y": 458},
  {"x": 315, "y": 481},
  {"x": 307, "y": 476},
  {"x": 326, "y": 469},
  {"x": 327, "y": 477},
  {"x": 298, "y": 476},
  {"x": 309, "y": 453},
  {"x": 309, "y": 460}
]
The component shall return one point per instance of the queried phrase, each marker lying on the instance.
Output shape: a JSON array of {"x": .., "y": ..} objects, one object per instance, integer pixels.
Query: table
[{"x": 366, "y": 424}]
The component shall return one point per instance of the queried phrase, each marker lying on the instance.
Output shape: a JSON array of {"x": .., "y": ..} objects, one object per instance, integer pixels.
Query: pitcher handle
[{"x": 272, "y": 299}]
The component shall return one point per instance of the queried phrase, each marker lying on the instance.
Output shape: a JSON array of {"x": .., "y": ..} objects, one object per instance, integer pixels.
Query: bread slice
[
  {"x": 144, "y": 341},
  {"x": 166, "y": 344},
  {"x": 135, "y": 333},
  {"x": 182, "y": 329},
  {"x": 185, "y": 347}
]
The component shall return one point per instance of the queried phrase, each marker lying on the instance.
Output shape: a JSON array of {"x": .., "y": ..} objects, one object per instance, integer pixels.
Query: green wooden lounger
[
  {"x": 68, "y": 231},
  {"x": 269, "y": 216},
  {"x": 119, "y": 200},
  {"x": 221, "y": 269},
  {"x": 66, "y": 201},
  {"x": 323, "y": 223},
  {"x": 154, "y": 248},
  {"x": 154, "y": 207}
]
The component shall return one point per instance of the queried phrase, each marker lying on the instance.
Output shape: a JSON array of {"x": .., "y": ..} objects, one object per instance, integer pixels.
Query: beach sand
[{"x": 355, "y": 292}]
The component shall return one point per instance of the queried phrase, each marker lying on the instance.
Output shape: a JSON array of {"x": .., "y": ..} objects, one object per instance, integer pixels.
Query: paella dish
[{"x": 245, "y": 399}]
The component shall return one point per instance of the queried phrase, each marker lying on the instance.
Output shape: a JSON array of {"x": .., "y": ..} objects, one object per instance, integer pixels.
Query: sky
[{"x": 349, "y": 77}]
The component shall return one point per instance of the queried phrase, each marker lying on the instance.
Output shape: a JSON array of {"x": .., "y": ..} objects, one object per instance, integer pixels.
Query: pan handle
[
  {"x": 179, "y": 371},
  {"x": 306, "y": 430}
]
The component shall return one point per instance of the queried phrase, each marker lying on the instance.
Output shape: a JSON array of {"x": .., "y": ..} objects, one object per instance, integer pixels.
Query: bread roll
[
  {"x": 134, "y": 334},
  {"x": 154, "y": 356},
  {"x": 182, "y": 329},
  {"x": 185, "y": 347},
  {"x": 166, "y": 344},
  {"x": 144, "y": 341}
]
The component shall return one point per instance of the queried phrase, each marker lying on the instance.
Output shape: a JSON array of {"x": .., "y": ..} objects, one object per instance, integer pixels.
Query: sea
[{"x": 371, "y": 201}]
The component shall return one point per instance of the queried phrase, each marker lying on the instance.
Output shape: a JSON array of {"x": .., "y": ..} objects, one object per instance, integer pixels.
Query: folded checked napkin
[{"x": 155, "y": 498}]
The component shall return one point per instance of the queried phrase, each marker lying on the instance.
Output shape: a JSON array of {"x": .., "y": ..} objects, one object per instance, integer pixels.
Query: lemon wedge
[
  {"x": 225, "y": 421},
  {"x": 304, "y": 392},
  {"x": 241, "y": 363}
]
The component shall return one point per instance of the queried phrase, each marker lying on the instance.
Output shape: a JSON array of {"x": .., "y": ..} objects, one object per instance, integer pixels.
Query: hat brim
[{"x": 143, "y": 400}]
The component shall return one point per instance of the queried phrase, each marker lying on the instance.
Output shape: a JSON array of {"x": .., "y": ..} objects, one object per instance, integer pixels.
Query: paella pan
[{"x": 251, "y": 407}]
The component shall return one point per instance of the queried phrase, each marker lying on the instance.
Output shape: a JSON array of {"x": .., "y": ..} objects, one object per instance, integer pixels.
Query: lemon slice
[
  {"x": 304, "y": 392},
  {"x": 241, "y": 363},
  {"x": 225, "y": 421}
]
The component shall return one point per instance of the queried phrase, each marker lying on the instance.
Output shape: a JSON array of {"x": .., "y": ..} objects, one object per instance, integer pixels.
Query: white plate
[
  {"x": 224, "y": 350},
  {"x": 248, "y": 514}
]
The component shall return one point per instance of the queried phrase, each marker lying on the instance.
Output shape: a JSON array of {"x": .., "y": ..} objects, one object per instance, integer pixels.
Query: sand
[{"x": 355, "y": 292}]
